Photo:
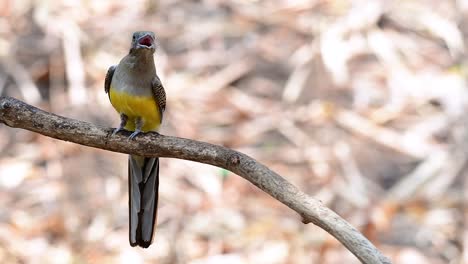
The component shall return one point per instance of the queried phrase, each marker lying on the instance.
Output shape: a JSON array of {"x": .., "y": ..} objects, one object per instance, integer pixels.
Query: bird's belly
[{"x": 135, "y": 106}]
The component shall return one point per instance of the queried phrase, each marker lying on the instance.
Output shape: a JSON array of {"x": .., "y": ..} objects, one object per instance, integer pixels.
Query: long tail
[{"x": 143, "y": 182}]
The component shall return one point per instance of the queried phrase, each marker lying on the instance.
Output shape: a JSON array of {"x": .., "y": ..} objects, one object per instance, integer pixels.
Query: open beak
[{"x": 146, "y": 42}]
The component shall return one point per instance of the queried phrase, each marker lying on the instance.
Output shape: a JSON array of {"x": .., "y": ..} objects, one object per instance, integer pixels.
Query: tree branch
[{"x": 15, "y": 113}]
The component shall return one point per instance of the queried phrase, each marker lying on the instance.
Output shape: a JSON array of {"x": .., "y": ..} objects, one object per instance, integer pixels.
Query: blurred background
[{"x": 361, "y": 104}]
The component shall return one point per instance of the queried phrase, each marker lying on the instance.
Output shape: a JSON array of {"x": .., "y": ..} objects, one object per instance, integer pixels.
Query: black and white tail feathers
[{"x": 143, "y": 182}]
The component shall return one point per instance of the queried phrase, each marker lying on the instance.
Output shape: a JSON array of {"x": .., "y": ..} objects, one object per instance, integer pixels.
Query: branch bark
[{"x": 17, "y": 114}]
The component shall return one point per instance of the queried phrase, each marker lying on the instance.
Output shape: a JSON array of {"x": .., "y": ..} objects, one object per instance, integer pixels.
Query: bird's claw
[
  {"x": 134, "y": 134},
  {"x": 116, "y": 131}
]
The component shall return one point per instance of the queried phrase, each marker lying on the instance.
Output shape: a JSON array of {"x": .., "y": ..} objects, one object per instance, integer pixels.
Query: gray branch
[{"x": 15, "y": 113}]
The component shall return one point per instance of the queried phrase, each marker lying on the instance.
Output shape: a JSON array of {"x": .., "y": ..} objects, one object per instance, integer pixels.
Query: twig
[
  {"x": 23, "y": 80},
  {"x": 414, "y": 147},
  {"x": 74, "y": 63},
  {"x": 424, "y": 172},
  {"x": 15, "y": 113},
  {"x": 297, "y": 81},
  {"x": 227, "y": 75},
  {"x": 353, "y": 184}
]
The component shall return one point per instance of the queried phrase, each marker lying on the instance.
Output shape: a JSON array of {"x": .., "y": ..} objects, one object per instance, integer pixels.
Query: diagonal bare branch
[{"x": 15, "y": 113}]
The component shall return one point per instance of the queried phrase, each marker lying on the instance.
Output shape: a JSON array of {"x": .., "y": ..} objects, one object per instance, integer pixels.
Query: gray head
[{"x": 143, "y": 42}]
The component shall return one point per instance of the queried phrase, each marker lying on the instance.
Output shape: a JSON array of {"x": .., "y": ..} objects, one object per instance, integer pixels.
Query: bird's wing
[
  {"x": 159, "y": 94},
  {"x": 108, "y": 80}
]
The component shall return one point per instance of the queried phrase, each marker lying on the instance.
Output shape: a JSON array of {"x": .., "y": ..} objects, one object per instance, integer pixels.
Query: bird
[{"x": 137, "y": 94}]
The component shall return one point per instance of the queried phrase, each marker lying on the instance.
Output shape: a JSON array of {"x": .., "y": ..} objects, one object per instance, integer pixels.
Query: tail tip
[
  {"x": 144, "y": 244},
  {"x": 140, "y": 243}
]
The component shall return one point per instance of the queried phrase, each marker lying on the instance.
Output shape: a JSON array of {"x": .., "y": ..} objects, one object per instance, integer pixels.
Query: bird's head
[{"x": 143, "y": 42}]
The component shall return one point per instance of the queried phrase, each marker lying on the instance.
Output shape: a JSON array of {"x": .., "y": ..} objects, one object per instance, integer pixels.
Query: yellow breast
[{"x": 134, "y": 106}]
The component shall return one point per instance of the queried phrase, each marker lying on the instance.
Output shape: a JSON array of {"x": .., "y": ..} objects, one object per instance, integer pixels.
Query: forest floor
[{"x": 360, "y": 105}]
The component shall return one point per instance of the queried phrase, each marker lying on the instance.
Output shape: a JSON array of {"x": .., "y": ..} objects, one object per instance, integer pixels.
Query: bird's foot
[
  {"x": 123, "y": 123},
  {"x": 117, "y": 130},
  {"x": 134, "y": 134}
]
